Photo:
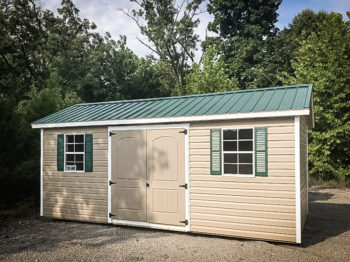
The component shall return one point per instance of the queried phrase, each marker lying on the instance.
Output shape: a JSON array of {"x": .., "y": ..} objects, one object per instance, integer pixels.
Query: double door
[{"x": 148, "y": 169}]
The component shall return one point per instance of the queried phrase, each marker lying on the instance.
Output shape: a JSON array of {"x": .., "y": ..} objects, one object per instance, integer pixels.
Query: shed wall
[
  {"x": 303, "y": 170},
  {"x": 249, "y": 207},
  {"x": 76, "y": 196}
]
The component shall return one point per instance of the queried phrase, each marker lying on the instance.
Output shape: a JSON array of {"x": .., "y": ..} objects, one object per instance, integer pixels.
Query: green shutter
[
  {"x": 261, "y": 151},
  {"x": 215, "y": 151},
  {"x": 60, "y": 152},
  {"x": 88, "y": 153}
]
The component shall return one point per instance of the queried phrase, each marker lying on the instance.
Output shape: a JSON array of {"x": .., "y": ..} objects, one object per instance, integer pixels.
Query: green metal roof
[{"x": 251, "y": 100}]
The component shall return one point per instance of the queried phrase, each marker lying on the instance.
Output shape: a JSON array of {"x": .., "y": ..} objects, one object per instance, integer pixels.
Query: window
[
  {"x": 238, "y": 151},
  {"x": 74, "y": 148}
]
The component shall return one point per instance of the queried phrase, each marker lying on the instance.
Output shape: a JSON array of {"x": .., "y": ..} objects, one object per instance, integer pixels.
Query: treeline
[{"x": 52, "y": 60}]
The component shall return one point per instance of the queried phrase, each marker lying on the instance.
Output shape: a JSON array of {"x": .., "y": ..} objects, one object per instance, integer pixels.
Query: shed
[{"x": 232, "y": 163}]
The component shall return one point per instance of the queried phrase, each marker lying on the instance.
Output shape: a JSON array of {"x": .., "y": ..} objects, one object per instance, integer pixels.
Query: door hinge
[
  {"x": 111, "y": 215},
  {"x": 184, "y": 185},
  {"x": 183, "y": 131},
  {"x": 111, "y": 183},
  {"x": 111, "y": 133},
  {"x": 185, "y": 222}
]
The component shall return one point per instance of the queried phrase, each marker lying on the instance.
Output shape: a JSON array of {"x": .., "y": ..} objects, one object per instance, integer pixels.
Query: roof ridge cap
[{"x": 194, "y": 95}]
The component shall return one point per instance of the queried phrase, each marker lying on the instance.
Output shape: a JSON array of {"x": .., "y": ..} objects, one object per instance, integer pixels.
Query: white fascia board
[{"x": 284, "y": 113}]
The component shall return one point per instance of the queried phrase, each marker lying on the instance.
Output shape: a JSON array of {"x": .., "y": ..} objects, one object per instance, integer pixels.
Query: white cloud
[{"x": 107, "y": 16}]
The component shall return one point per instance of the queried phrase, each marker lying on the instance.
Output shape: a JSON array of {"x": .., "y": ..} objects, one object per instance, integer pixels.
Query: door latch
[
  {"x": 147, "y": 185},
  {"x": 184, "y": 185},
  {"x": 184, "y": 221},
  {"x": 111, "y": 183},
  {"x": 183, "y": 131}
]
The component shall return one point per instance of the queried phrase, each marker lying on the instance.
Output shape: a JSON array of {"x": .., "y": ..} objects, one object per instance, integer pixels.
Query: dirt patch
[{"x": 326, "y": 237}]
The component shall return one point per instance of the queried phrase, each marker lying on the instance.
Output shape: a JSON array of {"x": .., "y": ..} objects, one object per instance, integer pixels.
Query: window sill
[{"x": 232, "y": 175}]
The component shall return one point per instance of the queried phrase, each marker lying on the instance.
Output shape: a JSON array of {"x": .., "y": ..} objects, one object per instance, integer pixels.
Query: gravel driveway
[{"x": 326, "y": 238}]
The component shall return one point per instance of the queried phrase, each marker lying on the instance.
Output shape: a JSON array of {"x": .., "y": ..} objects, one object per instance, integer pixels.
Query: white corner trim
[
  {"x": 41, "y": 171},
  {"x": 307, "y": 170},
  {"x": 187, "y": 177},
  {"x": 297, "y": 178},
  {"x": 182, "y": 119}
]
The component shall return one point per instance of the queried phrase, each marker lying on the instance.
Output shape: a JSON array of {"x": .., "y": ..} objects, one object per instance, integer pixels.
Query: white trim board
[
  {"x": 148, "y": 225},
  {"x": 41, "y": 172},
  {"x": 297, "y": 179},
  {"x": 187, "y": 176},
  {"x": 182, "y": 119}
]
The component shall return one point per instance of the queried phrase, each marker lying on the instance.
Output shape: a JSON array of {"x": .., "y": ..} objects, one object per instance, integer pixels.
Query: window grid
[
  {"x": 82, "y": 153},
  {"x": 238, "y": 152}
]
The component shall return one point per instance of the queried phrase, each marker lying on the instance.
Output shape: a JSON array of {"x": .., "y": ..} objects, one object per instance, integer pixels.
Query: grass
[{"x": 320, "y": 183}]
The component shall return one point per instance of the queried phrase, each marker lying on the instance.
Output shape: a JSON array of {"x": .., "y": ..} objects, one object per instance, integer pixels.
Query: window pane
[
  {"x": 245, "y": 158},
  {"x": 79, "y": 148},
  {"x": 69, "y": 157},
  {"x": 70, "y": 139},
  {"x": 230, "y": 134},
  {"x": 230, "y": 169},
  {"x": 245, "y": 134},
  {"x": 245, "y": 145},
  {"x": 79, "y": 157},
  {"x": 245, "y": 169},
  {"x": 79, "y": 138},
  {"x": 70, "y": 148},
  {"x": 230, "y": 146},
  {"x": 80, "y": 166},
  {"x": 69, "y": 163},
  {"x": 230, "y": 158}
]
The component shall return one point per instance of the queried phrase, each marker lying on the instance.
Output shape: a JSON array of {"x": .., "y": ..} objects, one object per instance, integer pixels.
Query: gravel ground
[{"x": 326, "y": 237}]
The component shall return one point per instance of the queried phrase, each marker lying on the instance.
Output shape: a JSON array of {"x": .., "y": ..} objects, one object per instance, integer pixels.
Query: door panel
[
  {"x": 165, "y": 173},
  {"x": 129, "y": 172}
]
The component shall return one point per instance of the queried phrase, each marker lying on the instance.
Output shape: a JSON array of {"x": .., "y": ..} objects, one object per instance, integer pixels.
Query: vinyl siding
[
  {"x": 249, "y": 207},
  {"x": 76, "y": 196},
  {"x": 303, "y": 170}
]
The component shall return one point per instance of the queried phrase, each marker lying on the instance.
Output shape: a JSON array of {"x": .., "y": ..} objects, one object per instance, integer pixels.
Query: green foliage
[
  {"x": 244, "y": 18},
  {"x": 246, "y": 39},
  {"x": 170, "y": 30},
  {"x": 209, "y": 76},
  {"x": 323, "y": 59}
]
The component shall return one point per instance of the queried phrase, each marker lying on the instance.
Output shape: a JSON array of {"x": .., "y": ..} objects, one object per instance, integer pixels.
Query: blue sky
[
  {"x": 108, "y": 17},
  {"x": 289, "y": 8}
]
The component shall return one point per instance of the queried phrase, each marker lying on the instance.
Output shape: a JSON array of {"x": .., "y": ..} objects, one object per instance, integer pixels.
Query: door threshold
[{"x": 150, "y": 225}]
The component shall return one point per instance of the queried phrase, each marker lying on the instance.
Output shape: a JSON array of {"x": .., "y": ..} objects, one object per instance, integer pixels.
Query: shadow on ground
[
  {"x": 44, "y": 234},
  {"x": 325, "y": 219}
]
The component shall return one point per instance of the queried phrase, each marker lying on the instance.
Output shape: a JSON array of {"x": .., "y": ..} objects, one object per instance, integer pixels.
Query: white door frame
[{"x": 187, "y": 177}]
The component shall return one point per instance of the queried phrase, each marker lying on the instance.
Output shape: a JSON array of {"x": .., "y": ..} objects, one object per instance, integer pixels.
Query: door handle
[{"x": 147, "y": 185}]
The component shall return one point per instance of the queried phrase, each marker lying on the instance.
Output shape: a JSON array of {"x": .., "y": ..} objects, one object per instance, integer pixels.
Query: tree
[
  {"x": 209, "y": 76},
  {"x": 323, "y": 60},
  {"x": 244, "y": 18},
  {"x": 245, "y": 32},
  {"x": 170, "y": 30}
]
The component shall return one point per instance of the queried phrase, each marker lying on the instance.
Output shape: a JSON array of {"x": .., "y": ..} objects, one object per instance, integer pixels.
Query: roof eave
[{"x": 136, "y": 121}]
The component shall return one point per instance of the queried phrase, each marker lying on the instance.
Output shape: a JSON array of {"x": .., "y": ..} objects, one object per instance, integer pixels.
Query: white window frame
[
  {"x": 74, "y": 171},
  {"x": 237, "y": 152}
]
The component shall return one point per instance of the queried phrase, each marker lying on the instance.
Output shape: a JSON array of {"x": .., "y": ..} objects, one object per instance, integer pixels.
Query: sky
[{"x": 107, "y": 15}]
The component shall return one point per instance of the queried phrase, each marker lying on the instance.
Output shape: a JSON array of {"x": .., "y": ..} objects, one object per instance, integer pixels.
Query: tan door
[
  {"x": 165, "y": 174},
  {"x": 129, "y": 174}
]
